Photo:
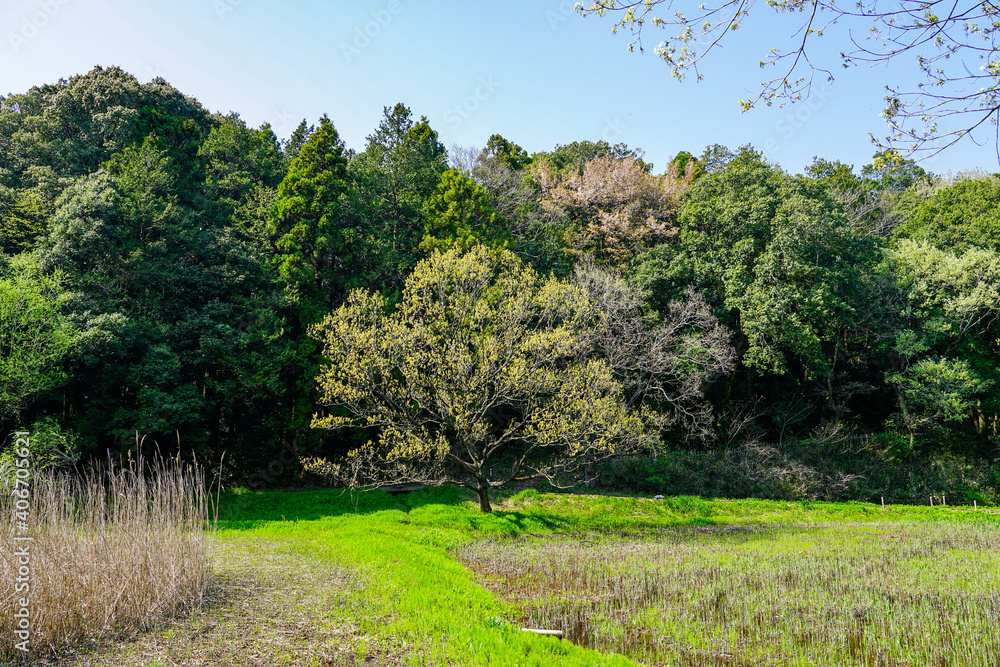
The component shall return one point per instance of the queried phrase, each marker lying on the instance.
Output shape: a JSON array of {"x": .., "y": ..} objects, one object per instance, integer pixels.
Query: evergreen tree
[{"x": 312, "y": 244}]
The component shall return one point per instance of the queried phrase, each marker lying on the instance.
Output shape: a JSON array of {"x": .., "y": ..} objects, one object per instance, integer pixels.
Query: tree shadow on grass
[
  {"x": 440, "y": 507},
  {"x": 243, "y": 510},
  {"x": 456, "y": 508}
]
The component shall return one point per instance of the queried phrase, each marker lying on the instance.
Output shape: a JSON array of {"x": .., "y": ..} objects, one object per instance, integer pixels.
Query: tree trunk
[
  {"x": 484, "y": 497},
  {"x": 590, "y": 474},
  {"x": 740, "y": 347}
]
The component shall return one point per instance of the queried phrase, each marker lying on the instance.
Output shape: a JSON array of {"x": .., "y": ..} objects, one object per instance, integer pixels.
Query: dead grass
[
  {"x": 105, "y": 551},
  {"x": 269, "y": 605}
]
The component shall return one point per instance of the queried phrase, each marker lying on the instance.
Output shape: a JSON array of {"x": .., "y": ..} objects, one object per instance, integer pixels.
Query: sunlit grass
[
  {"x": 697, "y": 577},
  {"x": 679, "y": 581}
]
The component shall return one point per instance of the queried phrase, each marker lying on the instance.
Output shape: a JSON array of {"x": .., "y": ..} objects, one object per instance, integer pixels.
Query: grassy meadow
[{"x": 324, "y": 578}]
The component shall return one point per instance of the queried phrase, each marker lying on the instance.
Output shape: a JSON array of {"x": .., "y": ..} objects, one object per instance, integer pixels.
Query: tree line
[{"x": 174, "y": 278}]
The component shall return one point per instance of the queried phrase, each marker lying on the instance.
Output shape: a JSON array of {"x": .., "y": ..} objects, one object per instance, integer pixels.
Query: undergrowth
[{"x": 794, "y": 471}]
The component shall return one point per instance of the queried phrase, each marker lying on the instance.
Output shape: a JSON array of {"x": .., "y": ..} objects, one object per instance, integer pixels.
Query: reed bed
[
  {"x": 871, "y": 594},
  {"x": 112, "y": 551}
]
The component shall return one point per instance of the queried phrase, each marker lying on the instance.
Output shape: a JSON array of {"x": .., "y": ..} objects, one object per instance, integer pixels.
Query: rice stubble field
[{"x": 831, "y": 594}]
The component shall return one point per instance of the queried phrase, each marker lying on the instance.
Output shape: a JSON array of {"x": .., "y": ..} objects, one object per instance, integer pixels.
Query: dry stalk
[{"x": 112, "y": 551}]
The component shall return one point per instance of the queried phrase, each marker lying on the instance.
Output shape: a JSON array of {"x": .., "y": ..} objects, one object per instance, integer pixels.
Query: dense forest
[{"x": 163, "y": 269}]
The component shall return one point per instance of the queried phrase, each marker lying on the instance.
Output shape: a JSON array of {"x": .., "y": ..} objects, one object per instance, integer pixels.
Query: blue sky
[{"x": 533, "y": 71}]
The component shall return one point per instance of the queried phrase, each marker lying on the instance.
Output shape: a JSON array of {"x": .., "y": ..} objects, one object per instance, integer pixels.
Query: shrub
[
  {"x": 851, "y": 469},
  {"x": 51, "y": 447}
]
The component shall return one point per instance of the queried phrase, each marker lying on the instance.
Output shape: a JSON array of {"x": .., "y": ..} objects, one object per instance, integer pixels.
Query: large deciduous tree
[
  {"x": 480, "y": 377},
  {"x": 943, "y": 346},
  {"x": 776, "y": 253},
  {"x": 663, "y": 360},
  {"x": 75, "y": 125},
  {"x": 872, "y": 199},
  {"x": 779, "y": 264},
  {"x": 964, "y": 214}
]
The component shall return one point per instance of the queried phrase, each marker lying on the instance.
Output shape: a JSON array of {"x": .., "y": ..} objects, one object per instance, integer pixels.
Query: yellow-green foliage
[
  {"x": 34, "y": 335},
  {"x": 481, "y": 376}
]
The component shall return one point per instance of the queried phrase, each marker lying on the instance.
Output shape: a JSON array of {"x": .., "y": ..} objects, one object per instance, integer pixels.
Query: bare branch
[{"x": 941, "y": 35}]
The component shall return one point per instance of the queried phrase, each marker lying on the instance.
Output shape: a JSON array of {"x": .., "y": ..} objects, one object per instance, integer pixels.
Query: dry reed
[{"x": 111, "y": 552}]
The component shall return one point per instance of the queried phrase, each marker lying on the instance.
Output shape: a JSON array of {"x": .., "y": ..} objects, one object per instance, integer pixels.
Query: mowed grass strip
[{"x": 417, "y": 603}]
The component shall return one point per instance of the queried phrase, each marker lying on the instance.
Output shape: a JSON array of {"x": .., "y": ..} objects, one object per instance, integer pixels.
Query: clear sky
[{"x": 532, "y": 70}]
